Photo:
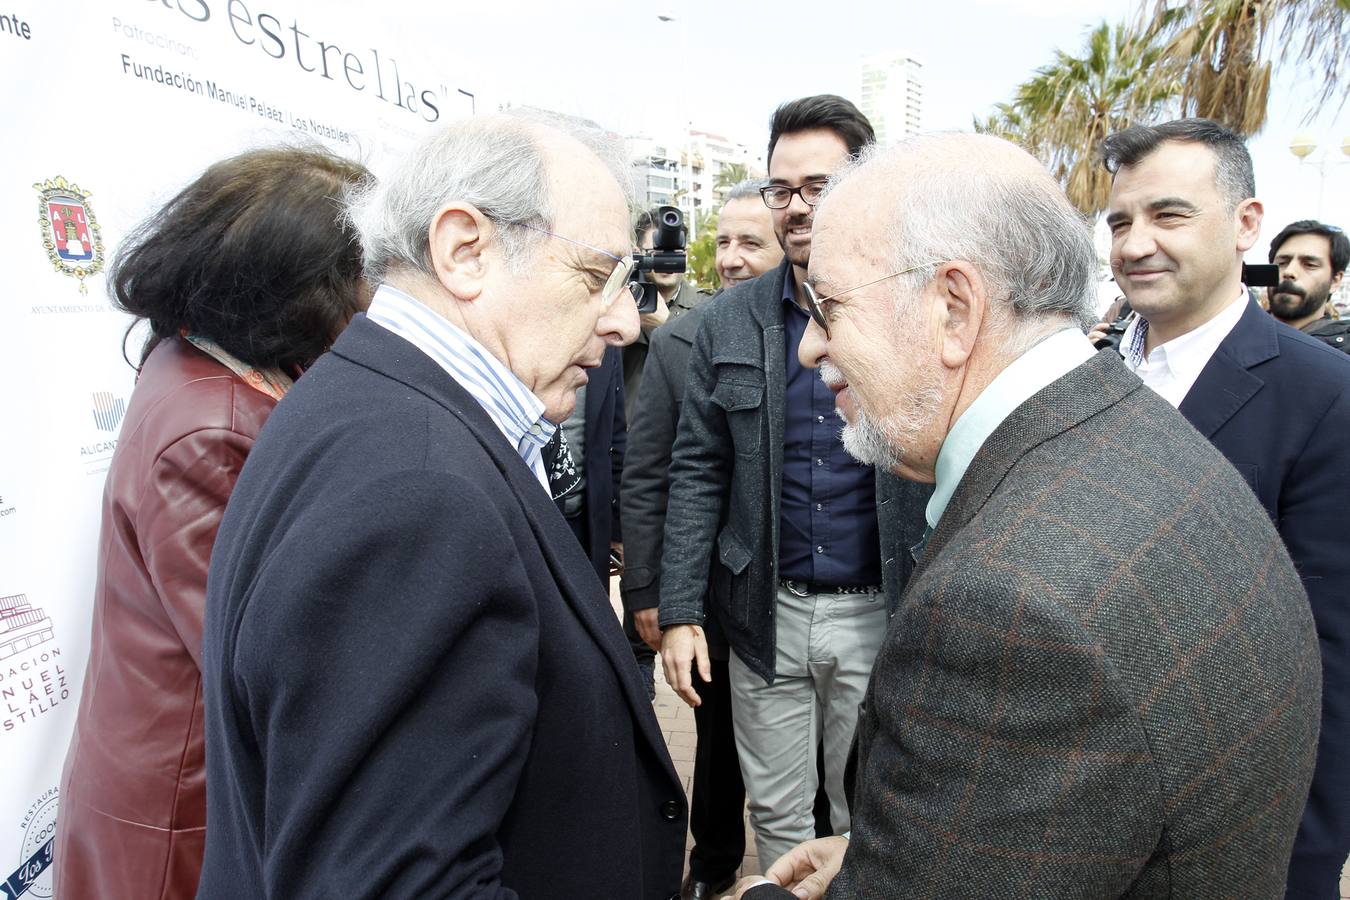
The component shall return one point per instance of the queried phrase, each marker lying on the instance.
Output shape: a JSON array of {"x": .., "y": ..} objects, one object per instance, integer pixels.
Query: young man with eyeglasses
[{"x": 807, "y": 550}]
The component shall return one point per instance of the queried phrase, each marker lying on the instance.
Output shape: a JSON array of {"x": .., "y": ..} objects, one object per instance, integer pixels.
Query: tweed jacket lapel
[
  {"x": 1061, "y": 405},
  {"x": 368, "y": 344},
  {"x": 1225, "y": 384}
]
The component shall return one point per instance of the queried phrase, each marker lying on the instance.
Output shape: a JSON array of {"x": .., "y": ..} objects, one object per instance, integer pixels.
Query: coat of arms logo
[{"x": 70, "y": 231}]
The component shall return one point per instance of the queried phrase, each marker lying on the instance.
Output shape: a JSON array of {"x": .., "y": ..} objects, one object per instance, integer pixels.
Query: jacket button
[{"x": 670, "y": 810}]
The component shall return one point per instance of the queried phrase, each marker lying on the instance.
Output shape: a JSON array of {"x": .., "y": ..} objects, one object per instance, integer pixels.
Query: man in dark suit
[
  {"x": 413, "y": 686},
  {"x": 1274, "y": 401},
  {"x": 1032, "y": 728},
  {"x": 586, "y": 486},
  {"x": 806, "y": 548}
]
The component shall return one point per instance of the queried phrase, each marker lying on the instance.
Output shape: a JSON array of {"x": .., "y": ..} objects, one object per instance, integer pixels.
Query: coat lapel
[
  {"x": 1225, "y": 384},
  {"x": 373, "y": 347},
  {"x": 1063, "y": 404}
]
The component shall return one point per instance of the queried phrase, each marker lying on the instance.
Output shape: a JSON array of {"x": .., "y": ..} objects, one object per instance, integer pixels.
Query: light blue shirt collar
[
  {"x": 1044, "y": 363},
  {"x": 516, "y": 412}
]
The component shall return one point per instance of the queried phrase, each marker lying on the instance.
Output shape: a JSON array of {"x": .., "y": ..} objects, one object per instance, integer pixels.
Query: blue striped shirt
[{"x": 518, "y": 413}]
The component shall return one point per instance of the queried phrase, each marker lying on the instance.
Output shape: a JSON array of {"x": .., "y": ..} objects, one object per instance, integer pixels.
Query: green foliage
[{"x": 700, "y": 263}]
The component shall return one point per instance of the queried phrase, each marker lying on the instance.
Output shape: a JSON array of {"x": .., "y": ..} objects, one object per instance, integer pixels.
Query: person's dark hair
[
  {"x": 254, "y": 254},
  {"x": 1340, "y": 244},
  {"x": 822, "y": 111},
  {"x": 646, "y": 221},
  {"x": 1233, "y": 164}
]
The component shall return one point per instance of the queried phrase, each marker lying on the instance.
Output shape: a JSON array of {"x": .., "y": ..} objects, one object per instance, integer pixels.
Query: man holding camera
[
  {"x": 1274, "y": 401},
  {"x": 807, "y": 550}
]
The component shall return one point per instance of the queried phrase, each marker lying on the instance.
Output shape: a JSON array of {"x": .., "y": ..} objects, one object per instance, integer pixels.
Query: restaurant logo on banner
[
  {"x": 33, "y": 877},
  {"x": 70, "y": 231}
]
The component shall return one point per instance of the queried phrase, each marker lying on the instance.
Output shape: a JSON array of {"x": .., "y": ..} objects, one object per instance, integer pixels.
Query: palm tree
[
  {"x": 1064, "y": 111},
  {"x": 1222, "y": 52},
  {"x": 730, "y": 175}
]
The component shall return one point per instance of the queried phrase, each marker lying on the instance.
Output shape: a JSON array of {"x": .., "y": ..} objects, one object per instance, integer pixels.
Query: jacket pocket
[
  {"x": 741, "y": 401},
  {"x": 735, "y": 557}
]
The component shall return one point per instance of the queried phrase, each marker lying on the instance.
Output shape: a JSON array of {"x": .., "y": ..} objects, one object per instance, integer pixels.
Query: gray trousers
[{"x": 825, "y": 646}]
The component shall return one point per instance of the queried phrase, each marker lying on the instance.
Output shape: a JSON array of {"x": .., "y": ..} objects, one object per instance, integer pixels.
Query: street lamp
[{"x": 1303, "y": 146}]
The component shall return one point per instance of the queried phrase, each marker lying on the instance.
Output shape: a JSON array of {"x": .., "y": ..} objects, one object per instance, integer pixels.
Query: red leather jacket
[{"x": 133, "y": 795}]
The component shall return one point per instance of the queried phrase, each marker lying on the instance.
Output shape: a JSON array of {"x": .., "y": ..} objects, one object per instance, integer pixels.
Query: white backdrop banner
[{"x": 111, "y": 107}]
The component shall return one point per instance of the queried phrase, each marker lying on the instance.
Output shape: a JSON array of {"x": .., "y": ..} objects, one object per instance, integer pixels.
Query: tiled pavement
[{"x": 677, "y": 725}]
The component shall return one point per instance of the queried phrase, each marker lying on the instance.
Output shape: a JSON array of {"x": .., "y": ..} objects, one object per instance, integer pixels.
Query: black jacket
[
  {"x": 606, "y": 438},
  {"x": 726, "y": 478},
  {"x": 413, "y": 686}
]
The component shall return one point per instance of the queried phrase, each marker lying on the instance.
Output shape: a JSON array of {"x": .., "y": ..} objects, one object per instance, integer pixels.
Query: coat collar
[
  {"x": 1226, "y": 383},
  {"x": 1064, "y": 404},
  {"x": 368, "y": 345}
]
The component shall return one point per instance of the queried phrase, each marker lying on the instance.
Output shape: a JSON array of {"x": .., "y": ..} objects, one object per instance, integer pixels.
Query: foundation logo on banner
[
  {"x": 70, "y": 230},
  {"x": 32, "y": 674},
  {"x": 33, "y": 877}
]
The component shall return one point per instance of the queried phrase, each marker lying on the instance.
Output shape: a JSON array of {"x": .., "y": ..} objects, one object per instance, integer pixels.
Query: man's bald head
[{"x": 973, "y": 197}]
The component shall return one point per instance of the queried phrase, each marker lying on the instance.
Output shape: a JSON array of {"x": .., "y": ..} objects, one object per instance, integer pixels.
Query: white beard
[{"x": 884, "y": 442}]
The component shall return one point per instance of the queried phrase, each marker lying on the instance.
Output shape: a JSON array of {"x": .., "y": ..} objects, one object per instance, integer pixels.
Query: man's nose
[
  {"x": 1137, "y": 243},
  {"x": 618, "y": 325},
  {"x": 812, "y": 350},
  {"x": 797, "y": 206}
]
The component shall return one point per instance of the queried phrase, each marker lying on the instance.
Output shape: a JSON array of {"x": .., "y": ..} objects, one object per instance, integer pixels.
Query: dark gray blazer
[
  {"x": 726, "y": 478},
  {"x": 1103, "y": 679}
]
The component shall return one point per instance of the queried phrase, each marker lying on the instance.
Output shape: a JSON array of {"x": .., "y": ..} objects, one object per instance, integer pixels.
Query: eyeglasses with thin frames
[
  {"x": 813, "y": 303},
  {"x": 618, "y": 281}
]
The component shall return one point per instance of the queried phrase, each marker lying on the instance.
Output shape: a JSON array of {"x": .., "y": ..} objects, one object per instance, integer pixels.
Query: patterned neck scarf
[{"x": 272, "y": 382}]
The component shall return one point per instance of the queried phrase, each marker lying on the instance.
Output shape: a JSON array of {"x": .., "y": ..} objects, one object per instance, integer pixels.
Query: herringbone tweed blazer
[{"x": 1103, "y": 678}]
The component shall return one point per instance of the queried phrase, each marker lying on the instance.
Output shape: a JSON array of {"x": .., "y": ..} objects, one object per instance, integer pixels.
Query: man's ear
[
  {"x": 1249, "y": 215},
  {"x": 456, "y": 240},
  {"x": 962, "y": 307}
]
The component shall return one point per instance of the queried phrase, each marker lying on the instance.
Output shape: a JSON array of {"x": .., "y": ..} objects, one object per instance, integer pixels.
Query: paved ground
[{"x": 677, "y": 724}]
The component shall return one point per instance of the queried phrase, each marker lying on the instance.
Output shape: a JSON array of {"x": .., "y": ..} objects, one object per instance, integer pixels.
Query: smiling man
[
  {"x": 414, "y": 685},
  {"x": 1032, "y": 729},
  {"x": 746, "y": 244},
  {"x": 1276, "y": 402}
]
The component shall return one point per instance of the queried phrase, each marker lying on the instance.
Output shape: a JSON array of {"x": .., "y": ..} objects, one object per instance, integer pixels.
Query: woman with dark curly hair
[{"x": 245, "y": 278}]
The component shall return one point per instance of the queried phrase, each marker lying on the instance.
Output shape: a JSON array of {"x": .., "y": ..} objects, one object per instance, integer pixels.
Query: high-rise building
[
  {"x": 686, "y": 170},
  {"x": 891, "y": 95}
]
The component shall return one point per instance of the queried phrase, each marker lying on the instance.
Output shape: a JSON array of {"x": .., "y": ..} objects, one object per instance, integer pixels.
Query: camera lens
[{"x": 671, "y": 217}]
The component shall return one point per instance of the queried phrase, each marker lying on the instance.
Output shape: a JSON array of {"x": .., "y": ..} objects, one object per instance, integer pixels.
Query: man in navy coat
[
  {"x": 414, "y": 686},
  {"x": 1275, "y": 402}
]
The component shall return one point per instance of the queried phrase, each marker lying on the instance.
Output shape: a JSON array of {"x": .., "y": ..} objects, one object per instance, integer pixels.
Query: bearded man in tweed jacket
[{"x": 1103, "y": 678}]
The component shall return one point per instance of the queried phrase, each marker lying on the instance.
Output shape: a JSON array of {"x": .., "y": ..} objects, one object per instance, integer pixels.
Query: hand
[
  {"x": 683, "y": 646},
  {"x": 1098, "y": 332},
  {"x": 807, "y": 869},
  {"x": 645, "y": 621},
  {"x": 656, "y": 318}
]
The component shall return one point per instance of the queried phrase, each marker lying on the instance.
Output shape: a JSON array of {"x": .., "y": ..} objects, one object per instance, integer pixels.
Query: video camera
[{"x": 667, "y": 255}]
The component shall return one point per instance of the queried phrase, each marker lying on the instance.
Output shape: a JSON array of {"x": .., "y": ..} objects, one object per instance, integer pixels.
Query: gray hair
[
  {"x": 745, "y": 189},
  {"x": 492, "y": 162},
  {"x": 1032, "y": 247}
]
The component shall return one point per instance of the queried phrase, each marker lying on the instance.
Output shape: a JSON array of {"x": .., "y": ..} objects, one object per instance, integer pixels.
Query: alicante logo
[
  {"x": 70, "y": 231},
  {"x": 108, "y": 411}
]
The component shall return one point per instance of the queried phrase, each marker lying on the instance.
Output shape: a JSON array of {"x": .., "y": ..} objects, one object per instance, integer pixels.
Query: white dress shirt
[{"x": 1170, "y": 369}]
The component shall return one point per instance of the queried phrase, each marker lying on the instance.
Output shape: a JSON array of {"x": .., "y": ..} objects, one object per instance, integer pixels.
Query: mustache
[
  {"x": 830, "y": 374},
  {"x": 1288, "y": 287}
]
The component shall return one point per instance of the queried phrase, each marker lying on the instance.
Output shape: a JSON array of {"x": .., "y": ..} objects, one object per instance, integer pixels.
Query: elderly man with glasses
[
  {"x": 414, "y": 685},
  {"x": 1102, "y": 680},
  {"x": 807, "y": 550}
]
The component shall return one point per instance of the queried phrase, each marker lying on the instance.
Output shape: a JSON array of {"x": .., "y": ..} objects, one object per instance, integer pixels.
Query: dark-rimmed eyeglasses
[
  {"x": 779, "y": 196},
  {"x": 619, "y": 281},
  {"x": 813, "y": 303}
]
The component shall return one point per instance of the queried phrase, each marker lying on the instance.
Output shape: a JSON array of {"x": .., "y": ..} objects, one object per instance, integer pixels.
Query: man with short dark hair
[
  {"x": 1312, "y": 258},
  {"x": 807, "y": 549},
  {"x": 1276, "y": 402}
]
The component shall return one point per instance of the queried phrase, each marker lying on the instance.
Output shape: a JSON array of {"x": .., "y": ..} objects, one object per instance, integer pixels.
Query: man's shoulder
[{"x": 748, "y": 302}]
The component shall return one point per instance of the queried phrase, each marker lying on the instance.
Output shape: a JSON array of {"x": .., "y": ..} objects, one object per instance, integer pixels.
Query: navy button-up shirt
[{"x": 828, "y": 530}]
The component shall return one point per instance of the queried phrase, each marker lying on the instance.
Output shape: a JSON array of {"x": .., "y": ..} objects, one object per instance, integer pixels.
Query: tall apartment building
[
  {"x": 682, "y": 170},
  {"x": 891, "y": 95}
]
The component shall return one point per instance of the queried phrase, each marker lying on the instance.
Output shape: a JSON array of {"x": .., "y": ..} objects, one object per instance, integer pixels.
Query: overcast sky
[{"x": 619, "y": 64}]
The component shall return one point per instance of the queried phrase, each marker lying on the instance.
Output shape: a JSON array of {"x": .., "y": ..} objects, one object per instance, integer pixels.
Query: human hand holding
[
  {"x": 657, "y": 317},
  {"x": 682, "y": 647},
  {"x": 645, "y": 621},
  {"x": 807, "y": 869}
]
